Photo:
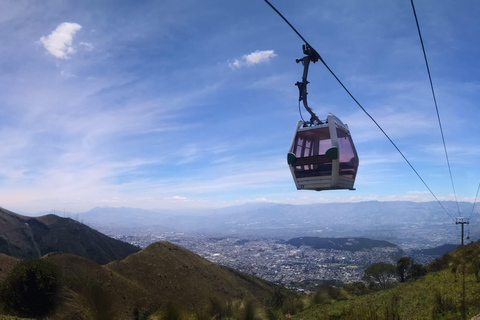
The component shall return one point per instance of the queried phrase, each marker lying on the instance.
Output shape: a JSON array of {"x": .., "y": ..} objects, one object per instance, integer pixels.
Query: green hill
[
  {"x": 347, "y": 244},
  {"x": 437, "y": 251},
  {"x": 27, "y": 237},
  {"x": 160, "y": 275},
  {"x": 173, "y": 273},
  {"x": 438, "y": 295}
]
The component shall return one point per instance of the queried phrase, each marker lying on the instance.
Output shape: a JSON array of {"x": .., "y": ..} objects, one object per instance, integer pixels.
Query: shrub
[
  {"x": 293, "y": 306},
  {"x": 272, "y": 314},
  {"x": 277, "y": 299},
  {"x": 248, "y": 311},
  {"x": 171, "y": 312},
  {"x": 31, "y": 289},
  {"x": 360, "y": 311},
  {"x": 392, "y": 309},
  {"x": 443, "y": 305},
  {"x": 356, "y": 288},
  {"x": 328, "y": 294},
  {"x": 220, "y": 309}
]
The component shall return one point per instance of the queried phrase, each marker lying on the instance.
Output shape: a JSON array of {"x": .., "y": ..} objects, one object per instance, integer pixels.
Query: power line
[
  {"x": 361, "y": 107},
  {"x": 436, "y": 106}
]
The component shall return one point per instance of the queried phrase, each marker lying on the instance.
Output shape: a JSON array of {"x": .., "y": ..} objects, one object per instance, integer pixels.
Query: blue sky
[{"x": 192, "y": 104}]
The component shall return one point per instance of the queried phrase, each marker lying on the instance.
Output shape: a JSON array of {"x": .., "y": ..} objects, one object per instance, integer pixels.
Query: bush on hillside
[
  {"x": 440, "y": 263},
  {"x": 277, "y": 299},
  {"x": 407, "y": 269},
  {"x": 171, "y": 312},
  {"x": 418, "y": 270},
  {"x": 357, "y": 288},
  {"x": 380, "y": 274},
  {"x": 328, "y": 294},
  {"x": 31, "y": 289},
  {"x": 248, "y": 311}
]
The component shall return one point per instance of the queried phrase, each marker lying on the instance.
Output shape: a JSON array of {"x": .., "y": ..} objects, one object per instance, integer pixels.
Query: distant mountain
[
  {"x": 27, "y": 237},
  {"x": 437, "y": 251},
  {"x": 401, "y": 222},
  {"x": 346, "y": 244},
  {"x": 159, "y": 274},
  {"x": 120, "y": 217}
]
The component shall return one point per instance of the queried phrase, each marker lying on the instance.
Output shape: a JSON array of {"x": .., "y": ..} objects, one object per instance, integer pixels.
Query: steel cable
[
  {"x": 365, "y": 111},
  {"x": 436, "y": 105}
]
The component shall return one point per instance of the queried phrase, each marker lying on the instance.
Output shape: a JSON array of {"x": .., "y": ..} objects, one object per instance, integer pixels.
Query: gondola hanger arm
[
  {"x": 313, "y": 56},
  {"x": 310, "y": 55}
]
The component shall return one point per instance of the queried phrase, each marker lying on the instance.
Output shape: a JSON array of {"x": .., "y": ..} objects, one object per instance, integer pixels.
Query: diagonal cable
[
  {"x": 365, "y": 111},
  {"x": 436, "y": 106},
  {"x": 388, "y": 137},
  {"x": 474, "y": 201}
]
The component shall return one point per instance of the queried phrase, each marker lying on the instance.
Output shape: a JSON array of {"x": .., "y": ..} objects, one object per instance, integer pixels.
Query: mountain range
[{"x": 410, "y": 224}]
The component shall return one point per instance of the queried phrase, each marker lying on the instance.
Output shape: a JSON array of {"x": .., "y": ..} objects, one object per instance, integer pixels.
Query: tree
[
  {"x": 408, "y": 270},
  {"x": 418, "y": 271},
  {"x": 380, "y": 274},
  {"x": 31, "y": 288},
  {"x": 404, "y": 268}
]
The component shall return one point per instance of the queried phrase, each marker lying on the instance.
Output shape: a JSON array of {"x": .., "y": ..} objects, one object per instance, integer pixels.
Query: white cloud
[
  {"x": 87, "y": 45},
  {"x": 253, "y": 58},
  {"x": 67, "y": 74},
  {"x": 418, "y": 192},
  {"x": 176, "y": 198},
  {"x": 59, "y": 42}
]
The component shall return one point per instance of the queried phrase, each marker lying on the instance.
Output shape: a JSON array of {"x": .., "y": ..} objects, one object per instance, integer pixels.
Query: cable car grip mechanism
[{"x": 310, "y": 55}]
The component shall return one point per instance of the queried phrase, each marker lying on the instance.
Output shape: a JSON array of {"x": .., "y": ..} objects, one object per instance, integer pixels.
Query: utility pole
[{"x": 463, "y": 221}]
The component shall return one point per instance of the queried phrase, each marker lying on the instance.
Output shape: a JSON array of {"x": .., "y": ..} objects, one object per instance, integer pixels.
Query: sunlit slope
[
  {"x": 436, "y": 296},
  {"x": 176, "y": 274},
  {"x": 160, "y": 274}
]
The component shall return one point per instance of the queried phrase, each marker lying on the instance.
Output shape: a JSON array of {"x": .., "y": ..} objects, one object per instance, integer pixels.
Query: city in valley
[
  {"x": 254, "y": 238},
  {"x": 274, "y": 260}
]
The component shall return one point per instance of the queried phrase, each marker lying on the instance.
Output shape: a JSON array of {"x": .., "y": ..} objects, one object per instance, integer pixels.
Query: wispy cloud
[
  {"x": 87, "y": 45},
  {"x": 59, "y": 42},
  {"x": 253, "y": 58}
]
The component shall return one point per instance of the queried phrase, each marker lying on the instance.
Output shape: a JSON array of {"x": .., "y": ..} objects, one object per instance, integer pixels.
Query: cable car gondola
[{"x": 322, "y": 155}]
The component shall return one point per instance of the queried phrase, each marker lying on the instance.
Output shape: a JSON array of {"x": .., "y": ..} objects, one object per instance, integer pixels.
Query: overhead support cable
[
  {"x": 436, "y": 106},
  {"x": 361, "y": 107},
  {"x": 474, "y": 201}
]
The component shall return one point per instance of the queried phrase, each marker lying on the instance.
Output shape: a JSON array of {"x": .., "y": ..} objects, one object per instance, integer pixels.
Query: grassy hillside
[
  {"x": 176, "y": 274},
  {"x": 159, "y": 278},
  {"x": 438, "y": 295},
  {"x": 26, "y": 237}
]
